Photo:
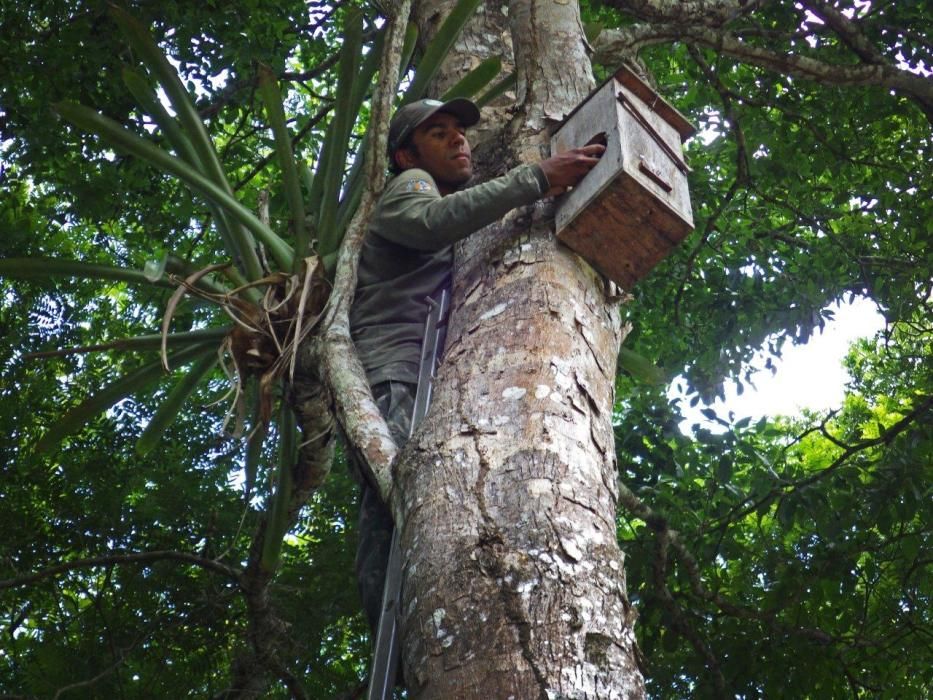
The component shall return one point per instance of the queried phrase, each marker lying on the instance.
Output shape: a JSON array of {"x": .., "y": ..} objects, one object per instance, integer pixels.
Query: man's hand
[{"x": 566, "y": 169}]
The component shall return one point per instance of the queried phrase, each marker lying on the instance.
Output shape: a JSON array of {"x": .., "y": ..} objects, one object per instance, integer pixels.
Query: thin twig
[
  {"x": 130, "y": 558},
  {"x": 748, "y": 505},
  {"x": 104, "y": 673}
]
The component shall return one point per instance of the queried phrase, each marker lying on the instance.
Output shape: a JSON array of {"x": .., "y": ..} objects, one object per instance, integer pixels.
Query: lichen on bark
[{"x": 514, "y": 581}]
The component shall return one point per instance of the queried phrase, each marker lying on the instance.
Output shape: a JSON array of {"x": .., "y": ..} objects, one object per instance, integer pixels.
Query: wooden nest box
[{"x": 633, "y": 207}]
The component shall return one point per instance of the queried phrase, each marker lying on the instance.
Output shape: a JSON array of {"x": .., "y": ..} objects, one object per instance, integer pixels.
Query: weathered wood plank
[{"x": 634, "y": 206}]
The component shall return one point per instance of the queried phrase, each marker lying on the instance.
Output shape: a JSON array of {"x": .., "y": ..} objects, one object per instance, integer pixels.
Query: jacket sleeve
[{"x": 412, "y": 212}]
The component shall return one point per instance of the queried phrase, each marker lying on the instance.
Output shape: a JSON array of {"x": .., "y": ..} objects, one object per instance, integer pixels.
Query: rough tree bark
[{"x": 514, "y": 581}]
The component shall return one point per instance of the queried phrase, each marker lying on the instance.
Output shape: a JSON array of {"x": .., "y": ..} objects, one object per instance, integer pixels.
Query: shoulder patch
[{"x": 418, "y": 185}]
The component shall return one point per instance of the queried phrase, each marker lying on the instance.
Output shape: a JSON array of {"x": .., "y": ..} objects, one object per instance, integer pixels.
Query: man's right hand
[{"x": 566, "y": 169}]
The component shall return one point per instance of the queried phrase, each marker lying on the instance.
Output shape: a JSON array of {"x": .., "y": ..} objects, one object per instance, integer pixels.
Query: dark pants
[{"x": 396, "y": 402}]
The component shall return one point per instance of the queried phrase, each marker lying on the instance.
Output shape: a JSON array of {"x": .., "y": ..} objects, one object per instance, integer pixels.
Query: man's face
[{"x": 439, "y": 146}]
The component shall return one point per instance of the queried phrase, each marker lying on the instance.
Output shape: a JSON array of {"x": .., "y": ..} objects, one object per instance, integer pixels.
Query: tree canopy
[{"x": 782, "y": 557}]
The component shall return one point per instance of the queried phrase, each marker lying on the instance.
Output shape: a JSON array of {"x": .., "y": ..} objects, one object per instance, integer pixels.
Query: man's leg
[{"x": 395, "y": 401}]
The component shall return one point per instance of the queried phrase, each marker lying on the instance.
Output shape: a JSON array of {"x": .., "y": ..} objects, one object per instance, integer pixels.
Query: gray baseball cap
[{"x": 407, "y": 118}]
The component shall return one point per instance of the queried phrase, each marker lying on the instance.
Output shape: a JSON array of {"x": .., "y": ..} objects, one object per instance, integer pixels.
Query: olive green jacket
[{"x": 407, "y": 256}]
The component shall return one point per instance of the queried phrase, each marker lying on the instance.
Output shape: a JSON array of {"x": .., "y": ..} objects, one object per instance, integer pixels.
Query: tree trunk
[{"x": 514, "y": 581}]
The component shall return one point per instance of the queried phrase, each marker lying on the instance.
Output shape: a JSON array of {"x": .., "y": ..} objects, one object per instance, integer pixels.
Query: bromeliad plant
[{"x": 273, "y": 285}]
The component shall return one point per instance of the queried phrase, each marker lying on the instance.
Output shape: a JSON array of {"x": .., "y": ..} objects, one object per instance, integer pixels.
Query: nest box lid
[{"x": 646, "y": 94}]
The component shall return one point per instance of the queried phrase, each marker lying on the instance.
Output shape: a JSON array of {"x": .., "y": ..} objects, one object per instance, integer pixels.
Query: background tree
[{"x": 803, "y": 542}]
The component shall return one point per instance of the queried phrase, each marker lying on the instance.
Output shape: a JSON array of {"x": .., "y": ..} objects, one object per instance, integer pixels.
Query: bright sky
[{"x": 808, "y": 376}]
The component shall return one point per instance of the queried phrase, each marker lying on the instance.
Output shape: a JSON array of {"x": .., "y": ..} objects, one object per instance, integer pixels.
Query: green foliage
[
  {"x": 204, "y": 157},
  {"x": 272, "y": 101},
  {"x": 277, "y": 523},
  {"x": 174, "y": 402},
  {"x": 132, "y": 454},
  {"x": 810, "y": 535},
  {"x": 127, "y": 142},
  {"x": 832, "y": 203},
  {"x": 130, "y": 383}
]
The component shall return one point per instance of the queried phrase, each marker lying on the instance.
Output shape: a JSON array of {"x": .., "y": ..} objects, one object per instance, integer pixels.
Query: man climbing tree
[
  {"x": 405, "y": 271},
  {"x": 513, "y": 579}
]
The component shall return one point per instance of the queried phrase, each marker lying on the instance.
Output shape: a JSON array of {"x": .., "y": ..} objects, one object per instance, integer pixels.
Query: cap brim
[{"x": 462, "y": 108}]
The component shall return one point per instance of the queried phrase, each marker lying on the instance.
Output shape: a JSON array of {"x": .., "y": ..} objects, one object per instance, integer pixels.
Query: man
[{"x": 406, "y": 260}]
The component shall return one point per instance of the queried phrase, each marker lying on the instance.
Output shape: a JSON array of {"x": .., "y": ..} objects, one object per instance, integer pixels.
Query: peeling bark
[{"x": 514, "y": 580}]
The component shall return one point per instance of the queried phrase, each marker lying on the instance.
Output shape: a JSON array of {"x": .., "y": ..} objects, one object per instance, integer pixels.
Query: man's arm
[{"x": 413, "y": 213}]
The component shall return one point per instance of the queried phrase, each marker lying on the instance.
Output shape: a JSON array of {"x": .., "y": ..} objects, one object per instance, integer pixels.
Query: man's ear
[{"x": 405, "y": 159}]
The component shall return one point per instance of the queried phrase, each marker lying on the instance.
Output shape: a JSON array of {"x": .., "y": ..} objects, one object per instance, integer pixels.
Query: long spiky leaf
[
  {"x": 316, "y": 190},
  {"x": 41, "y": 268},
  {"x": 150, "y": 53},
  {"x": 146, "y": 98},
  {"x": 476, "y": 79},
  {"x": 408, "y": 48},
  {"x": 342, "y": 123},
  {"x": 353, "y": 188},
  {"x": 440, "y": 45},
  {"x": 277, "y": 511},
  {"x": 275, "y": 113},
  {"x": 141, "y": 343},
  {"x": 173, "y": 403},
  {"x": 363, "y": 81},
  {"x": 130, "y": 383},
  {"x": 640, "y": 367},
  {"x": 127, "y": 141},
  {"x": 257, "y": 437},
  {"x": 507, "y": 83}
]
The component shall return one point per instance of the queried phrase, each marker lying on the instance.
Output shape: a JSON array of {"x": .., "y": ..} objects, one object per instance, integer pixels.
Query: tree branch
[
  {"x": 132, "y": 558},
  {"x": 334, "y": 352},
  {"x": 121, "y": 657},
  {"x": 749, "y": 505},
  {"x": 668, "y": 540},
  {"x": 711, "y": 222},
  {"x": 847, "y": 30},
  {"x": 884, "y": 438},
  {"x": 710, "y": 12},
  {"x": 741, "y": 157},
  {"x": 618, "y": 45}
]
